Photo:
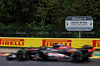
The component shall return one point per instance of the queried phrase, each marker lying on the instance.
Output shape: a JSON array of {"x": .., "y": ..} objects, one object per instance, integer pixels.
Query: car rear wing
[{"x": 88, "y": 50}]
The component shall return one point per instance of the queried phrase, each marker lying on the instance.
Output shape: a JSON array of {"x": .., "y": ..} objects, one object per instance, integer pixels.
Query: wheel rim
[
  {"x": 76, "y": 56},
  {"x": 21, "y": 55}
]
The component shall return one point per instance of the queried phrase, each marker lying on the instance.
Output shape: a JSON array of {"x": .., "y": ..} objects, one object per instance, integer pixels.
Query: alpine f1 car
[{"x": 58, "y": 51}]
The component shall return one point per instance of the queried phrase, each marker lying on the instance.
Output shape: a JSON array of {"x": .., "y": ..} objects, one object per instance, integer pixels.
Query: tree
[{"x": 19, "y": 12}]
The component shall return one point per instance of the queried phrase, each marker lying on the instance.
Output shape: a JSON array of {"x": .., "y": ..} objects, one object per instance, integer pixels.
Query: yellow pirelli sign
[{"x": 37, "y": 42}]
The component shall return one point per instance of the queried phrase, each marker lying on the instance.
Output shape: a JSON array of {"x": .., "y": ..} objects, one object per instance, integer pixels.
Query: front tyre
[{"x": 21, "y": 55}]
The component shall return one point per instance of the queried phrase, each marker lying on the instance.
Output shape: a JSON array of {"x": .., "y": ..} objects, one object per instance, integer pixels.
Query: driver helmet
[{"x": 55, "y": 45}]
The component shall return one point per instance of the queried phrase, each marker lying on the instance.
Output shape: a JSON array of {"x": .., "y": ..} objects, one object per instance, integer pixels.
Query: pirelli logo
[
  {"x": 96, "y": 43},
  {"x": 12, "y": 42},
  {"x": 49, "y": 42}
]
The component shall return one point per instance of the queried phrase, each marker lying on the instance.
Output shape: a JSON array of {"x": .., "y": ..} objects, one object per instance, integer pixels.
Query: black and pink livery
[{"x": 58, "y": 51}]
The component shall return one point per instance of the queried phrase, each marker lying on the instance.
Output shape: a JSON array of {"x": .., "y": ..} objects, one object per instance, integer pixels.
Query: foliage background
[{"x": 46, "y": 18}]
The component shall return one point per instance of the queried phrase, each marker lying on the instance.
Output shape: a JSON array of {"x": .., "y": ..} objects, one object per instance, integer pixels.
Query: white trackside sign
[{"x": 79, "y": 23}]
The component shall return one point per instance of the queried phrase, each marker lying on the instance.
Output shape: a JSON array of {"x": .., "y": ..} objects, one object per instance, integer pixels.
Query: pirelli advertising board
[{"x": 37, "y": 42}]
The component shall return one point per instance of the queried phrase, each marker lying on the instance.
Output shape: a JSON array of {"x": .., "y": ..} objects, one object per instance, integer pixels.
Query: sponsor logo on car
[
  {"x": 12, "y": 42},
  {"x": 49, "y": 42},
  {"x": 96, "y": 43}
]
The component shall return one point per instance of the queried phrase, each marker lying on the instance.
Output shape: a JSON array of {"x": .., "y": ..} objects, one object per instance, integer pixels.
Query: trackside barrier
[{"x": 37, "y": 42}]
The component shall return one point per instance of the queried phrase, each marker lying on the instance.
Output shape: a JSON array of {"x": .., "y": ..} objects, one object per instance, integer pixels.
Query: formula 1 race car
[{"x": 58, "y": 51}]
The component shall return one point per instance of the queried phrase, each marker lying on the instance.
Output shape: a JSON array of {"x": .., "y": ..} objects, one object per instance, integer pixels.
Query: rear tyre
[{"x": 76, "y": 56}]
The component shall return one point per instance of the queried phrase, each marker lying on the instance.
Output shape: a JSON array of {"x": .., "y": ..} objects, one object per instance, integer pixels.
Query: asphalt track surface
[{"x": 4, "y": 62}]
